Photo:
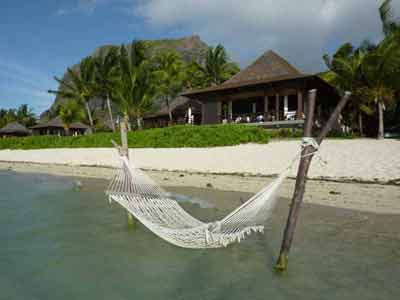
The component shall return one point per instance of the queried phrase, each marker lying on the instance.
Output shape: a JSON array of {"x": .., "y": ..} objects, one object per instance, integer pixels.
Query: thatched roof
[
  {"x": 14, "y": 128},
  {"x": 58, "y": 123},
  {"x": 178, "y": 105},
  {"x": 268, "y": 68}
]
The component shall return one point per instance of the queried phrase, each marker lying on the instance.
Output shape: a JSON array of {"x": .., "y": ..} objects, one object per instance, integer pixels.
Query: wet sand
[{"x": 362, "y": 196}]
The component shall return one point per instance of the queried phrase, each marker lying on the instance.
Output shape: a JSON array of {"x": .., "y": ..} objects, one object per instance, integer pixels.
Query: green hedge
[
  {"x": 169, "y": 137},
  {"x": 175, "y": 136}
]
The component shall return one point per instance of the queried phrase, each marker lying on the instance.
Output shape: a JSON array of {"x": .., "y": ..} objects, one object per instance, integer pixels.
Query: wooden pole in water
[
  {"x": 305, "y": 161},
  {"x": 125, "y": 151},
  {"x": 124, "y": 138}
]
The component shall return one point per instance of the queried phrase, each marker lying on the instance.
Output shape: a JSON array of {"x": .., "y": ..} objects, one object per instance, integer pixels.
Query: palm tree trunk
[
  {"x": 89, "y": 113},
  {"x": 360, "y": 123},
  {"x": 66, "y": 128},
  {"x": 139, "y": 123},
  {"x": 110, "y": 114},
  {"x": 380, "y": 116}
]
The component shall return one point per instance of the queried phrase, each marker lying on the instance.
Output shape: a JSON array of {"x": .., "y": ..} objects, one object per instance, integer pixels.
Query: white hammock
[{"x": 155, "y": 209}]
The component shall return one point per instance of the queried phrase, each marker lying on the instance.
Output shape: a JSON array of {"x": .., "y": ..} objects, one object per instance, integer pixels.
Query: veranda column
[
  {"x": 230, "y": 116},
  {"x": 203, "y": 113},
  {"x": 190, "y": 115},
  {"x": 265, "y": 108},
  {"x": 277, "y": 107},
  {"x": 299, "y": 104},
  {"x": 219, "y": 112},
  {"x": 285, "y": 106}
]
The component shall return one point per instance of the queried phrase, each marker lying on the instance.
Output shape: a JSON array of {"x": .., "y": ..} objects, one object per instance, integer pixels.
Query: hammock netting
[
  {"x": 159, "y": 212},
  {"x": 154, "y": 208}
]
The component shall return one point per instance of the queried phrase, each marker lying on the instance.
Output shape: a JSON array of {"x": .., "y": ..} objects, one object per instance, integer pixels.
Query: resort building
[
  {"x": 269, "y": 92},
  {"x": 184, "y": 111},
  {"x": 14, "y": 129},
  {"x": 56, "y": 127}
]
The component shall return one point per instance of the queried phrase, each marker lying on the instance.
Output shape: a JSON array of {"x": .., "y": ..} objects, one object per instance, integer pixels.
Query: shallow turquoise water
[{"x": 58, "y": 242}]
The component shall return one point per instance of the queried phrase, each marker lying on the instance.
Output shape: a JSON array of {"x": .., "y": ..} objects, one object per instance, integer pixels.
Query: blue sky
[{"x": 40, "y": 38}]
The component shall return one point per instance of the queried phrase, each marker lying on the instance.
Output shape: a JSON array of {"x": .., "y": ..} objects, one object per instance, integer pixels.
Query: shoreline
[{"x": 375, "y": 197}]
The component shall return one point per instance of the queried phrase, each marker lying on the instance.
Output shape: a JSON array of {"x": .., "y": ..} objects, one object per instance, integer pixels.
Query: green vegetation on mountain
[
  {"x": 134, "y": 81},
  {"x": 190, "y": 49}
]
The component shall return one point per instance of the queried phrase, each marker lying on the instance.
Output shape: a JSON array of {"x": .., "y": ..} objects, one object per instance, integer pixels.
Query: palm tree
[
  {"x": 80, "y": 86},
  {"x": 25, "y": 115},
  {"x": 134, "y": 91},
  {"x": 7, "y": 116},
  {"x": 371, "y": 72},
  {"x": 170, "y": 77},
  {"x": 107, "y": 72},
  {"x": 217, "y": 66},
  {"x": 382, "y": 74},
  {"x": 389, "y": 23},
  {"x": 346, "y": 74},
  {"x": 69, "y": 113}
]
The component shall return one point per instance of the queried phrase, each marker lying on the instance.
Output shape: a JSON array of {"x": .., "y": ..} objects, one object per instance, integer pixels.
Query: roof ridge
[{"x": 268, "y": 65}]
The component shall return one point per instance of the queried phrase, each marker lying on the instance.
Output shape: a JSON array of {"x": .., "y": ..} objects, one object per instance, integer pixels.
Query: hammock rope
[{"x": 159, "y": 212}]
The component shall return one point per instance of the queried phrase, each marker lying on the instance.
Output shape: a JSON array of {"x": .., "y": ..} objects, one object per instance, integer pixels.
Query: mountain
[{"x": 191, "y": 48}]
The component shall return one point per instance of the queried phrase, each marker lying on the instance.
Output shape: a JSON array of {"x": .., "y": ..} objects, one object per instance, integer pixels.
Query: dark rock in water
[
  {"x": 335, "y": 193},
  {"x": 78, "y": 184}
]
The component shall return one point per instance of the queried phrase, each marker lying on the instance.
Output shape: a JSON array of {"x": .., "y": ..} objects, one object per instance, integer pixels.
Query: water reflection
[{"x": 60, "y": 243}]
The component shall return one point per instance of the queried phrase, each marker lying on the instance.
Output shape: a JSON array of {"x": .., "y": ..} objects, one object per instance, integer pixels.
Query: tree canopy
[
  {"x": 23, "y": 114},
  {"x": 371, "y": 72}
]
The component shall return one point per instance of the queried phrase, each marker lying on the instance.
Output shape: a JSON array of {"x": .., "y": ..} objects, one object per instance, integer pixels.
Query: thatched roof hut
[
  {"x": 14, "y": 129},
  {"x": 56, "y": 127},
  {"x": 180, "y": 109},
  {"x": 269, "y": 89}
]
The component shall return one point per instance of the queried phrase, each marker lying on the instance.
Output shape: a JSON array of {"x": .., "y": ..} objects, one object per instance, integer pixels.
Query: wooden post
[
  {"x": 265, "y": 108},
  {"x": 124, "y": 137},
  {"x": 285, "y": 106},
  {"x": 299, "y": 104},
  {"x": 219, "y": 112},
  {"x": 124, "y": 150},
  {"x": 277, "y": 107},
  {"x": 230, "y": 115},
  {"x": 305, "y": 161},
  {"x": 333, "y": 118}
]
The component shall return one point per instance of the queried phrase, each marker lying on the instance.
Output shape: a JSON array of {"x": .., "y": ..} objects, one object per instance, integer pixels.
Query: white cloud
[
  {"x": 300, "y": 30},
  {"x": 81, "y": 6}
]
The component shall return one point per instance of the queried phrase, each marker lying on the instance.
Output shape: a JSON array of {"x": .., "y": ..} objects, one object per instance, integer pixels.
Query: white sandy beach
[
  {"x": 360, "y": 174},
  {"x": 360, "y": 159}
]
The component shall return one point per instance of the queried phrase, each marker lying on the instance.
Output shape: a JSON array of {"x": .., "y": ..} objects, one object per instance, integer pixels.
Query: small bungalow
[
  {"x": 270, "y": 92},
  {"x": 184, "y": 111},
  {"x": 14, "y": 129},
  {"x": 56, "y": 127}
]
